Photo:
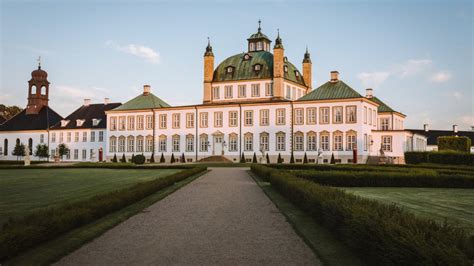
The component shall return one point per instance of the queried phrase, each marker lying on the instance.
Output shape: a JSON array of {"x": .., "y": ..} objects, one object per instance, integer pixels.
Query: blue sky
[{"x": 417, "y": 55}]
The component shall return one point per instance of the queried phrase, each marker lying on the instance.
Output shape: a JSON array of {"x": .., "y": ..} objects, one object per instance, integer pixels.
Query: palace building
[{"x": 255, "y": 102}]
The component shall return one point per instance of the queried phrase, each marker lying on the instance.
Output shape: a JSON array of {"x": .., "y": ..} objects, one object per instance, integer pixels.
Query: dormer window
[
  {"x": 285, "y": 59},
  {"x": 80, "y": 122},
  {"x": 95, "y": 122},
  {"x": 257, "y": 67},
  {"x": 297, "y": 74},
  {"x": 285, "y": 68},
  {"x": 230, "y": 70},
  {"x": 64, "y": 123},
  {"x": 246, "y": 57}
]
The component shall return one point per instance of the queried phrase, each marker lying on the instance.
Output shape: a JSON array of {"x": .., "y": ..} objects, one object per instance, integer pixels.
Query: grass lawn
[
  {"x": 23, "y": 191},
  {"x": 455, "y": 205}
]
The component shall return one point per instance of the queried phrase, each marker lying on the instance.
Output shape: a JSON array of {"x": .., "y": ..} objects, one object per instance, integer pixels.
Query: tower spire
[
  {"x": 259, "y": 25},
  {"x": 39, "y": 62},
  {"x": 208, "y": 48},
  {"x": 307, "y": 57},
  {"x": 278, "y": 41}
]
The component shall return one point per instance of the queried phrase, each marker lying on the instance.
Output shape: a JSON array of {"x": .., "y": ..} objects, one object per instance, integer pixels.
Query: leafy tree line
[{"x": 8, "y": 112}]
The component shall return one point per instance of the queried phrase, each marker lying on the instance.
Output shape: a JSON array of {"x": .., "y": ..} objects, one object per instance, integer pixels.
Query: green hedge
[
  {"x": 20, "y": 234},
  {"x": 454, "y": 143},
  {"x": 100, "y": 165},
  {"x": 21, "y": 162},
  {"x": 380, "y": 234},
  {"x": 440, "y": 157}
]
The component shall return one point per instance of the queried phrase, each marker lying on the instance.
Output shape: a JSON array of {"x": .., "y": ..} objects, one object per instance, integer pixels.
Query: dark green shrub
[
  {"x": 454, "y": 143},
  {"x": 292, "y": 158},
  {"x": 183, "y": 159},
  {"x": 152, "y": 157},
  {"x": 333, "y": 161},
  {"x": 172, "y": 158},
  {"x": 305, "y": 159},
  {"x": 133, "y": 158},
  {"x": 451, "y": 157},
  {"x": 242, "y": 158},
  {"x": 114, "y": 160},
  {"x": 279, "y": 160},
  {"x": 415, "y": 157},
  {"x": 162, "y": 159},
  {"x": 268, "y": 158},
  {"x": 254, "y": 159},
  {"x": 123, "y": 160},
  {"x": 138, "y": 159}
]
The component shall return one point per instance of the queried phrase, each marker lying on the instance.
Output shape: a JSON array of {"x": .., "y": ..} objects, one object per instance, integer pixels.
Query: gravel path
[{"x": 223, "y": 217}]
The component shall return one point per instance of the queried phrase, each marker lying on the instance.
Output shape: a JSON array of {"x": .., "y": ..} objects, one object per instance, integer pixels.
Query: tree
[
  {"x": 254, "y": 159},
  {"x": 305, "y": 158},
  {"x": 152, "y": 158},
  {"x": 42, "y": 151},
  {"x": 172, "y": 158},
  {"x": 133, "y": 157},
  {"x": 162, "y": 159},
  {"x": 242, "y": 158},
  {"x": 8, "y": 112},
  {"x": 62, "y": 150},
  {"x": 292, "y": 158},
  {"x": 333, "y": 161},
  {"x": 268, "y": 158},
  {"x": 114, "y": 160},
  {"x": 279, "y": 160},
  {"x": 123, "y": 160},
  {"x": 183, "y": 159},
  {"x": 19, "y": 150}
]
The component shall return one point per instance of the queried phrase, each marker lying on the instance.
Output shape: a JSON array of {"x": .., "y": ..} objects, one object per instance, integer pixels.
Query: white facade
[
  {"x": 29, "y": 138},
  {"x": 85, "y": 145}
]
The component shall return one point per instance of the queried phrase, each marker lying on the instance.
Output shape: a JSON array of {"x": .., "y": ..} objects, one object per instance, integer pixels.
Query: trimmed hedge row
[
  {"x": 440, "y": 157},
  {"x": 454, "y": 143},
  {"x": 100, "y": 165},
  {"x": 20, "y": 234},
  {"x": 20, "y": 162},
  {"x": 380, "y": 234},
  {"x": 414, "y": 178}
]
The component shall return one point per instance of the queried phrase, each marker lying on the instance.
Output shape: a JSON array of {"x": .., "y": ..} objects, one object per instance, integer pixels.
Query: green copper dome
[{"x": 243, "y": 67}]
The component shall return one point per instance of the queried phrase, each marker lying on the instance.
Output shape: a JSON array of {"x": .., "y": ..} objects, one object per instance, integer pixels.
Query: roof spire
[
  {"x": 208, "y": 48},
  {"x": 307, "y": 57},
  {"x": 39, "y": 62},
  {"x": 278, "y": 42},
  {"x": 259, "y": 25}
]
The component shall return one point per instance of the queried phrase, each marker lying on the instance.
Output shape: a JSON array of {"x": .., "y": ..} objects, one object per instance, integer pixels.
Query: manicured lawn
[
  {"x": 455, "y": 205},
  {"x": 23, "y": 191}
]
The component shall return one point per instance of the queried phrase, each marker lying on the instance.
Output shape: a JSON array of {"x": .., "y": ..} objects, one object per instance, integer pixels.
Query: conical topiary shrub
[
  {"x": 333, "y": 161},
  {"x": 254, "y": 159},
  {"x": 305, "y": 159},
  {"x": 123, "y": 160},
  {"x": 279, "y": 160},
  {"x": 114, "y": 160},
  {"x": 242, "y": 159},
  {"x": 162, "y": 159},
  {"x": 152, "y": 158},
  {"x": 172, "y": 158},
  {"x": 292, "y": 158},
  {"x": 183, "y": 159},
  {"x": 268, "y": 158}
]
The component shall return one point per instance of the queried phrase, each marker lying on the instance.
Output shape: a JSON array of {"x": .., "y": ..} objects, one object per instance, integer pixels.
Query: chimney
[
  {"x": 334, "y": 76},
  {"x": 426, "y": 127},
  {"x": 87, "y": 102},
  {"x": 455, "y": 129},
  {"x": 472, "y": 128},
  {"x": 106, "y": 101},
  {"x": 369, "y": 93},
  {"x": 146, "y": 89}
]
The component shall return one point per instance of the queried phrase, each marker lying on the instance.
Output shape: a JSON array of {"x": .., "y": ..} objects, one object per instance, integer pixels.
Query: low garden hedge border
[
  {"x": 100, "y": 165},
  {"x": 20, "y": 234},
  {"x": 380, "y": 234},
  {"x": 440, "y": 157}
]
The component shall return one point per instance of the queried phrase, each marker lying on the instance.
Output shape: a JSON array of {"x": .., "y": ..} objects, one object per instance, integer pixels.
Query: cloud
[
  {"x": 412, "y": 67},
  {"x": 68, "y": 98},
  {"x": 373, "y": 79},
  {"x": 441, "y": 76},
  {"x": 457, "y": 95},
  {"x": 137, "y": 50}
]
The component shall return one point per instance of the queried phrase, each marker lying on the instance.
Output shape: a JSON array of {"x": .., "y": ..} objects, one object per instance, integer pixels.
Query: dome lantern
[{"x": 258, "y": 41}]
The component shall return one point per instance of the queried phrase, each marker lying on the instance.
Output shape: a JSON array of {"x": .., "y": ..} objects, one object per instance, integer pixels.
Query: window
[
  {"x": 42, "y": 138},
  {"x": 280, "y": 116},
  {"x": 370, "y": 116},
  {"x": 351, "y": 141},
  {"x": 30, "y": 145},
  {"x": 337, "y": 141},
  {"x": 351, "y": 114},
  {"x": 204, "y": 119},
  {"x": 189, "y": 120},
  {"x": 230, "y": 70},
  {"x": 121, "y": 144},
  {"x": 131, "y": 123},
  {"x": 61, "y": 137},
  {"x": 232, "y": 142},
  {"x": 203, "y": 143},
  {"x": 248, "y": 142},
  {"x": 257, "y": 67},
  {"x": 68, "y": 154},
  {"x": 122, "y": 123},
  {"x": 324, "y": 141},
  {"x": 366, "y": 142},
  {"x": 384, "y": 124},
  {"x": 264, "y": 141},
  {"x": 311, "y": 115},
  {"x": 387, "y": 143},
  {"x": 140, "y": 144},
  {"x": 269, "y": 89},
  {"x": 76, "y": 154},
  {"x": 163, "y": 123},
  {"x": 162, "y": 144},
  {"x": 299, "y": 141},
  {"x": 365, "y": 114},
  {"x": 324, "y": 113},
  {"x": 218, "y": 119},
  {"x": 252, "y": 47},
  {"x": 113, "y": 144},
  {"x": 246, "y": 57},
  {"x": 248, "y": 118},
  {"x": 91, "y": 153},
  {"x": 233, "y": 118},
  {"x": 130, "y": 144},
  {"x": 288, "y": 92},
  {"x": 189, "y": 143},
  {"x": 84, "y": 136},
  {"x": 53, "y": 137},
  {"x": 285, "y": 68},
  {"x": 299, "y": 116},
  {"x": 215, "y": 92},
  {"x": 76, "y": 136},
  {"x": 311, "y": 141},
  {"x": 374, "y": 112},
  {"x": 113, "y": 123},
  {"x": 176, "y": 143},
  {"x": 255, "y": 90},
  {"x": 280, "y": 141},
  {"x": 149, "y": 143},
  {"x": 259, "y": 46},
  {"x": 294, "y": 93},
  {"x": 337, "y": 114},
  {"x": 176, "y": 120},
  {"x": 140, "y": 122},
  {"x": 264, "y": 117},
  {"x": 5, "y": 147},
  {"x": 228, "y": 92},
  {"x": 92, "y": 136},
  {"x": 149, "y": 122},
  {"x": 242, "y": 91},
  {"x": 101, "y": 136},
  {"x": 68, "y": 137}
]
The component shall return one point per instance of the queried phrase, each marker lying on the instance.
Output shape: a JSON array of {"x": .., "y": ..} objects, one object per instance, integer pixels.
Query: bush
[
  {"x": 172, "y": 160},
  {"x": 152, "y": 157},
  {"x": 305, "y": 158},
  {"x": 138, "y": 159},
  {"x": 380, "y": 234},
  {"x": 454, "y": 143},
  {"x": 333, "y": 161},
  {"x": 123, "y": 160},
  {"x": 292, "y": 158},
  {"x": 415, "y": 157},
  {"x": 114, "y": 160},
  {"x": 440, "y": 157},
  {"x": 162, "y": 159},
  {"x": 279, "y": 160},
  {"x": 20, "y": 234},
  {"x": 268, "y": 158},
  {"x": 183, "y": 159},
  {"x": 132, "y": 160},
  {"x": 242, "y": 158},
  {"x": 254, "y": 159}
]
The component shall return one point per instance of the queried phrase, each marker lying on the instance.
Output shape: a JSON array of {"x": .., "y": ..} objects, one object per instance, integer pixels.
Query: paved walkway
[{"x": 223, "y": 217}]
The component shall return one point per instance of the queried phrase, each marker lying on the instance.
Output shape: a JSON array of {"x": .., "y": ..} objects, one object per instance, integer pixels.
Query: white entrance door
[{"x": 217, "y": 147}]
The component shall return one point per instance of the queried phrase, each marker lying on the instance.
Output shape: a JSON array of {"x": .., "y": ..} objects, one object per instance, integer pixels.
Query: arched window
[
  {"x": 298, "y": 141},
  {"x": 43, "y": 90},
  {"x": 113, "y": 144},
  {"x": 252, "y": 47},
  {"x": 5, "y": 147},
  {"x": 140, "y": 142},
  {"x": 130, "y": 144},
  {"x": 30, "y": 145},
  {"x": 311, "y": 141},
  {"x": 248, "y": 141},
  {"x": 121, "y": 144},
  {"x": 33, "y": 89}
]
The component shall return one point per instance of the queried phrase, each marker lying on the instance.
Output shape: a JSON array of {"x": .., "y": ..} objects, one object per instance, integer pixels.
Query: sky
[{"x": 416, "y": 55}]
